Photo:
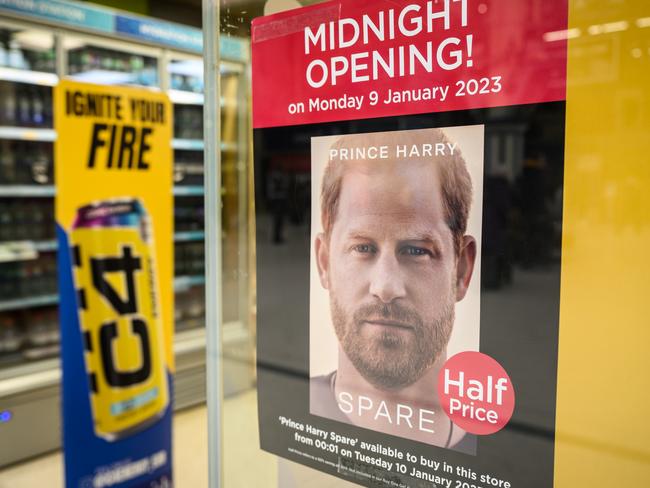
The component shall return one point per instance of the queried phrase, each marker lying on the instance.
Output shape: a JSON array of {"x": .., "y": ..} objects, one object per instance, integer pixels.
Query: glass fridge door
[{"x": 28, "y": 315}]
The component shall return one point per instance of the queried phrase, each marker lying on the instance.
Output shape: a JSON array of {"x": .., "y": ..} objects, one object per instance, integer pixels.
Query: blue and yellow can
[{"x": 119, "y": 314}]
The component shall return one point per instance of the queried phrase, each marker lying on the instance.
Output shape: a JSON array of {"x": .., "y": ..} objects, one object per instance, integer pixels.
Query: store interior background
[
  {"x": 30, "y": 64},
  {"x": 29, "y": 380}
]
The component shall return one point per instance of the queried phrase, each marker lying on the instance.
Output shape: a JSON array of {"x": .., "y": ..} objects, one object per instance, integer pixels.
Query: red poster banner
[{"x": 345, "y": 60}]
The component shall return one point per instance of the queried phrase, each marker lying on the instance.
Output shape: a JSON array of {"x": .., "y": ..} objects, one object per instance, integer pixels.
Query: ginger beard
[{"x": 392, "y": 358}]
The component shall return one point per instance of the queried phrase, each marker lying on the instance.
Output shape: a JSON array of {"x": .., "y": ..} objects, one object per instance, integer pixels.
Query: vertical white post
[{"x": 212, "y": 175}]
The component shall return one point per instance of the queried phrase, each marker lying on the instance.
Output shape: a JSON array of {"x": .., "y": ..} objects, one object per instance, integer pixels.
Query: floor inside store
[{"x": 190, "y": 452}]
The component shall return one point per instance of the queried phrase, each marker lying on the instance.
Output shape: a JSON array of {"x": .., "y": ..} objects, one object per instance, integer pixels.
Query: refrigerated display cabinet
[{"x": 37, "y": 50}]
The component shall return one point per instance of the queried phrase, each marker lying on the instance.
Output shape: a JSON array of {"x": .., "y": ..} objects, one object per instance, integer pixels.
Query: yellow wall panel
[{"x": 603, "y": 432}]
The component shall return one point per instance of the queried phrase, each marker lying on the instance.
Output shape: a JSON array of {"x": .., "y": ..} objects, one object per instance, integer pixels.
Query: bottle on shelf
[
  {"x": 17, "y": 275},
  {"x": 38, "y": 333},
  {"x": 41, "y": 166},
  {"x": 188, "y": 167},
  {"x": 23, "y": 115},
  {"x": 136, "y": 67},
  {"x": 6, "y": 223},
  {"x": 196, "y": 305},
  {"x": 48, "y": 207},
  {"x": 188, "y": 122},
  {"x": 136, "y": 63},
  {"x": 29, "y": 276},
  {"x": 4, "y": 54},
  {"x": 16, "y": 56},
  {"x": 26, "y": 220},
  {"x": 178, "y": 122},
  {"x": 50, "y": 61},
  {"x": 8, "y": 101},
  {"x": 86, "y": 62},
  {"x": 11, "y": 335},
  {"x": 42, "y": 335},
  {"x": 179, "y": 306},
  {"x": 74, "y": 61},
  {"x": 7, "y": 163},
  {"x": 20, "y": 221},
  {"x": 179, "y": 260},
  {"x": 6, "y": 281},
  {"x": 37, "y": 60},
  {"x": 106, "y": 63},
  {"x": 54, "y": 328},
  {"x": 38, "y": 110},
  {"x": 196, "y": 261},
  {"x": 38, "y": 223},
  {"x": 48, "y": 107},
  {"x": 51, "y": 274},
  {"x": 189, "y": 309},
  {"x": 21, "y": 152},
  {"x": 176, "y": 81}
]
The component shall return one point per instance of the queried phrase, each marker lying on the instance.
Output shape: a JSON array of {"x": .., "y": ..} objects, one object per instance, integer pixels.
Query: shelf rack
[{"x": 181, "y": 283}]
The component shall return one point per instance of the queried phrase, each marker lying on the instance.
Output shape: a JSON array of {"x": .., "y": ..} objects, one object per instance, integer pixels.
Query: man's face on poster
[{"x": 391, "y": 269}]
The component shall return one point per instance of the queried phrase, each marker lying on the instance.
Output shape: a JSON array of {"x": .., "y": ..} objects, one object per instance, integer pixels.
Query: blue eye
[
  {"x": 416, "y": 251},
  {"x": 364, "y": 248}
]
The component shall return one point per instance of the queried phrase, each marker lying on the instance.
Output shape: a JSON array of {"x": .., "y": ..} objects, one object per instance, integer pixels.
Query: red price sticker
[{"x": 476, "y": 393}]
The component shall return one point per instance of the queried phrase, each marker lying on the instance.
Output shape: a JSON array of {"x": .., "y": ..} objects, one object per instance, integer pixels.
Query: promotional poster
[
  {"x": 114, "y": 229},
  {"x": 409, "y": 174}
]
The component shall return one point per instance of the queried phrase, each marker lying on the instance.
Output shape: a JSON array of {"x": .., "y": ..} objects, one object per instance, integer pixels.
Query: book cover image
[{"x": 395, "y": 276}]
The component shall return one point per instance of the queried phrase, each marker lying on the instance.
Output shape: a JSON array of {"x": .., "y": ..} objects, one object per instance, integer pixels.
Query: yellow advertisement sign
[{"x": 115, "y": 206}]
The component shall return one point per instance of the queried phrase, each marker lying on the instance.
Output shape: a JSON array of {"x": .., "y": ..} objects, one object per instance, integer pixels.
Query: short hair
[{"x": 455, "y": 181}]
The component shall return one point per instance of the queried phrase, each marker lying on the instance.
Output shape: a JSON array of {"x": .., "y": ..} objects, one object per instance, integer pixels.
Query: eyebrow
[
  {"x": 424, "y": 236},
  {"x": 415, "y": 237}
]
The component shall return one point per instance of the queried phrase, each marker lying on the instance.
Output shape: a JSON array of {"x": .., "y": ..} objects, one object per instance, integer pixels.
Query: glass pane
[
  {"x": 284, "y": 230},
  {"x": 29, "y": 328},
  {"x": 186, "y": 93},
  {"x": 524, "y": 232}
]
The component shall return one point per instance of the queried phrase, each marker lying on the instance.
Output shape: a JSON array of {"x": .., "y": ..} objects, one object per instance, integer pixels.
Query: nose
[{"x": 386, "y": 282}]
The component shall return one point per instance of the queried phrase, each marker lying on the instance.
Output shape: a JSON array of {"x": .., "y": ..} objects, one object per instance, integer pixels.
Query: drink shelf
[
  {"x": 29, "y": 302},
  {"x": 188, "y": 144},
  {"x": 27, "y": 76},
  {"x": 28, "y": 134},
  {"x": 27, "y": 190},
  {"x": 194, "y": 235},
  {"x": 184, "y": 97},
  {"x": 51, "y": 245},
  {"x": 181, "y": 97},
  {"x": 13, "y": 251},
  {"x": 50, "y": 191},
  {"x": 184, "y": 282},
  {"x": 188, "y": 191},
  {"x": 45, "y": 246},
  {"x": 181, "y": 283}
]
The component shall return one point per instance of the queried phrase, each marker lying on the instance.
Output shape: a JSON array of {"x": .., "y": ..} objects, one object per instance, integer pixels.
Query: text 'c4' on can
[{"x": 119, "y": 314}]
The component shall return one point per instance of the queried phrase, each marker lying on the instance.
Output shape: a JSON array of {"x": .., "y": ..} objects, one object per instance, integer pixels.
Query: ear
[
  {"x": 321, "y": 247},
  {"x": 465, "y": 266}
]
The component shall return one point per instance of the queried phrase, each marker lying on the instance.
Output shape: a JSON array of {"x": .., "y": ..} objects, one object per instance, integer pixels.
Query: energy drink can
[{"x": 119, "y": 314}]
